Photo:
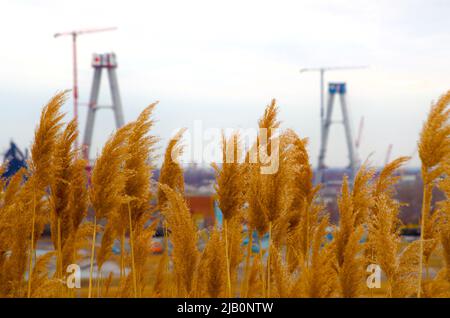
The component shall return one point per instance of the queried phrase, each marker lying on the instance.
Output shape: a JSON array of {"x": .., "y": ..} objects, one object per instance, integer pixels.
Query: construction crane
[
  {"x": 337, "y": 90},
  {"x": 74, "y": 35},
  {"x": 360, "y": 131},
  {"x": 100, "y": 62},
  {"x": 388, "y": 154},
  {"x": 322, "y": 71},
  {"x": 15, "y": 159}
]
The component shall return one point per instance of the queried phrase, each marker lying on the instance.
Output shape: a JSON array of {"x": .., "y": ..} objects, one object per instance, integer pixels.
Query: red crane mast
[{"x": 74, "y": 35}]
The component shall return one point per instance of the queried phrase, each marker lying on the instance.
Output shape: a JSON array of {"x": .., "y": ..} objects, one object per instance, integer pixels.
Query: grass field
[{"x": 268, "y": 188}]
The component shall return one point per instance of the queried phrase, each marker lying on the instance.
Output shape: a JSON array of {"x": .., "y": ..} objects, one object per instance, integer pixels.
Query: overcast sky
[{"x": 222, "y": 62}]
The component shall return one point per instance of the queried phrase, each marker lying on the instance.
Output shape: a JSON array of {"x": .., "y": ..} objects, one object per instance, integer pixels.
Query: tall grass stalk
[
  {"x": 268, "y": 260},
  {"x": 30, "y": 267},
  {"x": 434, "y": 151},
  {"x": 263, "y": 282},
  {"x": 91, "y": 267},
  {"x": 59, "y": 252},
  {"x": 225, "y": 228},
  {"x": 426, "y": 204},
  {"x": 132, "y": 251},
  {"x": 245, "y": 280},
  {"x": 122, "y": 256}
]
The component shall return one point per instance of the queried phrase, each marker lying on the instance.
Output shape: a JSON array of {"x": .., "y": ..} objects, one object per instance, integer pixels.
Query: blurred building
[{"x": 202, "y": 209}]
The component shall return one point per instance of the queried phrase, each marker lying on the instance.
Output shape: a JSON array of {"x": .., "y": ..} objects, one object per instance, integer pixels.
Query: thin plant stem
[
  {"x": 92, "y": 258},
  {"x": 306, "y": 238},
  {"x": 30, "y": 268},
  {"x": 166, "y": 254},
  {"x": 261, "y": 258},
  {"x": 372, "y": 260},
  {"x": 132, "y": 252},
  {"x": 59, "y": 257},
  {"x": 225, "y": 228},
  {"x": 246, "y": 280},
  {"x": 99, "y": 279},
  {"x": 426, "y": 204},
  {"x": 389, "y": 289},
  {"x": 122, "y": 248},
  {"x": 268, "y": 260}
]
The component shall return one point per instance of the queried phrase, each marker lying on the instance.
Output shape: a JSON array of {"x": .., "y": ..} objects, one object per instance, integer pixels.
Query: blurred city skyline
[{"x": 223, "y": 62}]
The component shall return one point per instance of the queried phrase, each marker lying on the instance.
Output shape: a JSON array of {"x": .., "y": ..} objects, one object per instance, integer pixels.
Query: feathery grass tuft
[
  {"x": 184, "y": 240},
  {"x": 434, "y": 150},
  {"x": 171, "y": 172}
]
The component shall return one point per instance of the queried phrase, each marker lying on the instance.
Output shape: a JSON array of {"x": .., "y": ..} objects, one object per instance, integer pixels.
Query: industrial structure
[
  {"x": 102, "y": 62},
  {"x": 339, "y": 89},
  {"x": 74, "y": 34},
  {"x": 15, "y": 159},
  {"x": 325, "y": 119}
]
